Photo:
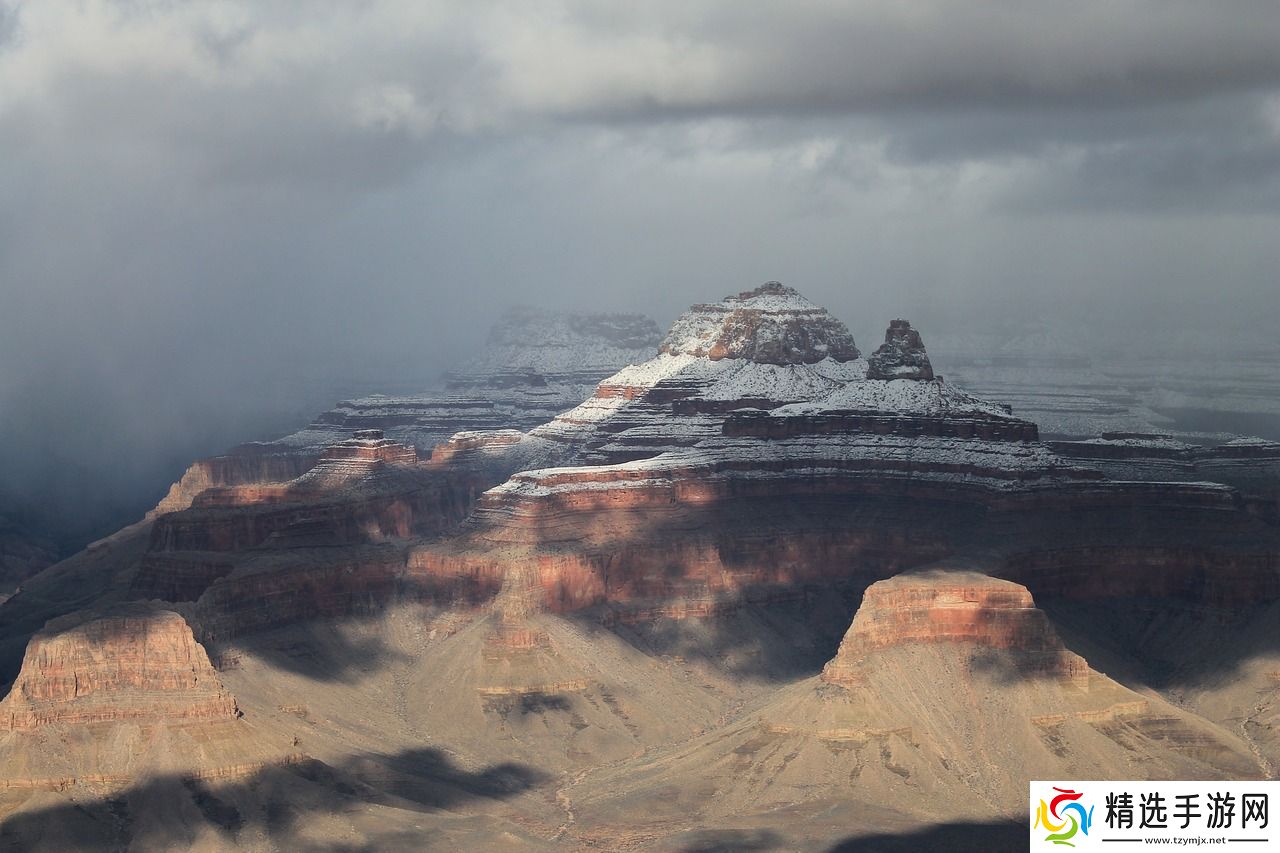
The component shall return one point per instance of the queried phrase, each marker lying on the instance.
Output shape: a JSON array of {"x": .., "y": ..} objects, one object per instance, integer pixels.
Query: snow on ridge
[
  {"x": 771, "y": 296},
  {"x": 648, "y": 373},
  {"x": 784, "y": 383},
  {"x": 890, "y": 455},
  {"x": 897, "y": 396},
  {"x": 772, "y": 323}
]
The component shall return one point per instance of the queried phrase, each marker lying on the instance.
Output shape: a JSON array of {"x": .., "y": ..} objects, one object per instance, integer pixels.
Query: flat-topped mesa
[
  {"x": 901, "y": 356},
  {"x": 469, "y": 444},
  {"x": 132, "y": 662},
  {"x": 369, "y": 447},
  {"x": 772, "y": 324},
  {"x": 953, "y": 607}
]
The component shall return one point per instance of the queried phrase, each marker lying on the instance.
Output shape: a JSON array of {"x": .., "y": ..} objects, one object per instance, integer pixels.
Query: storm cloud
[{"x": 214, "y": 215}]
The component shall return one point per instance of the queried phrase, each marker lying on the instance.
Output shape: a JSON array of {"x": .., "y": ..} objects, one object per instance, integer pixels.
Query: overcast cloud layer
[{"x": 212, "y": 212}]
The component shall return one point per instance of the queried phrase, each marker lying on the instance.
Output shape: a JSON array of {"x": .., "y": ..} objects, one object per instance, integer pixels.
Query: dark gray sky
[{"x": 205, "y": 206}]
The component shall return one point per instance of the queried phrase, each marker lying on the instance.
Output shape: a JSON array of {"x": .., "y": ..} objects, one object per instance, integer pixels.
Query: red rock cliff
[
  {"x": 942, "y": 606},
  {"x": 134, "y": 662}
]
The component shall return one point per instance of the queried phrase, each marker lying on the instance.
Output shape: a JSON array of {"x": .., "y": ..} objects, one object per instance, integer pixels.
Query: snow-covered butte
[{"x": 771, "y": 324}]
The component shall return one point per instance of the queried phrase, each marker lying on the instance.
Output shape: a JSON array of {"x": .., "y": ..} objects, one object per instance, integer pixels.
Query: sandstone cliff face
[
  {"x": 232, "y": 470},
  {"x": 135, "y": 662},
  {"x": 365, "y": 489},
  {"x": 342, "y": 519},
  {"x": 953, "y": 607},
  {"x": 277, "y": 589}
]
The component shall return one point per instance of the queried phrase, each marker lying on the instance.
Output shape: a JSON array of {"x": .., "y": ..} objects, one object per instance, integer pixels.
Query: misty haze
[{"x": 695, "y": 426}]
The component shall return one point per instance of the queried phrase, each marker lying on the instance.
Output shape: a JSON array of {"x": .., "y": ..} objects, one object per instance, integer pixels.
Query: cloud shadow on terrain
[
  {"x": 279, "y": 802},
  {"x": 1166, "y": 643},
  {"x": 325, "y": 651},
  {"x": 992, "y": 837},
  {"x": 731, "y": 841},
  {"x": 779, "y": 642}
]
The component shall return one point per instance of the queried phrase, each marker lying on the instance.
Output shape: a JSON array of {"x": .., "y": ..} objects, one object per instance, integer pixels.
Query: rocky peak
[
  {"x": 771, "y": 324},
  {"x": 901, "y": 356}
]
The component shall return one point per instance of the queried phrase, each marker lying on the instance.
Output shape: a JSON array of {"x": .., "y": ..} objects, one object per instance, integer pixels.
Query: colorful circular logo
[{"x": 1063, "y": 817}]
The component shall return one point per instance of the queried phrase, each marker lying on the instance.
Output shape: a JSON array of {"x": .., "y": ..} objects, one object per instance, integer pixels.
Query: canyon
[{"x": 733, "y": 585}]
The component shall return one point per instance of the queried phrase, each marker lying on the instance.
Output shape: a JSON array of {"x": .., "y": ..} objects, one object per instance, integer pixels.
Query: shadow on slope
[
  {"x": 335, "y": 651},
  {"x": 732, "y": 841},
  {"x": 309, "y": 805},
  {"x": 994, "y": 837},
  {"x": 1166, "y": 643},
  {"x": 776, "y": 642},
  {"x": 92, "y": 577}
]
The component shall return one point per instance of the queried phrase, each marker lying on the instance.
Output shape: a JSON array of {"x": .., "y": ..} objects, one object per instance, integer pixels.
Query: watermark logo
[
  {"x": 1227, "y": 813},
  {"x": 1062, "y": 817}
]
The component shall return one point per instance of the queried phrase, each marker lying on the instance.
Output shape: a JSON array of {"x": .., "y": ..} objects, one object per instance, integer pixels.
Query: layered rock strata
[
  {"x": 535, "y": 364},
  {"x": 1249, "y": 464},
  {"x": 754, "y": 400},
  {"x": 367, "y": 488},
  {"x": 252, "y": 464},
  {"x": 948, "y": 682},
  {"x": 953, "y": 607},
  {"x": 665, "y": 491},
  {"x": 134, "y": 662}
]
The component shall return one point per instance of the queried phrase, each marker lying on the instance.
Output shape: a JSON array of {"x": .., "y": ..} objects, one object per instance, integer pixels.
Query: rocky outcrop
[
  {"x": 242, "y": 521},
  {"x": 133, "y": 662},
  {"x": 940, "y": 606},
  {"x": 901, "y": 356}
]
